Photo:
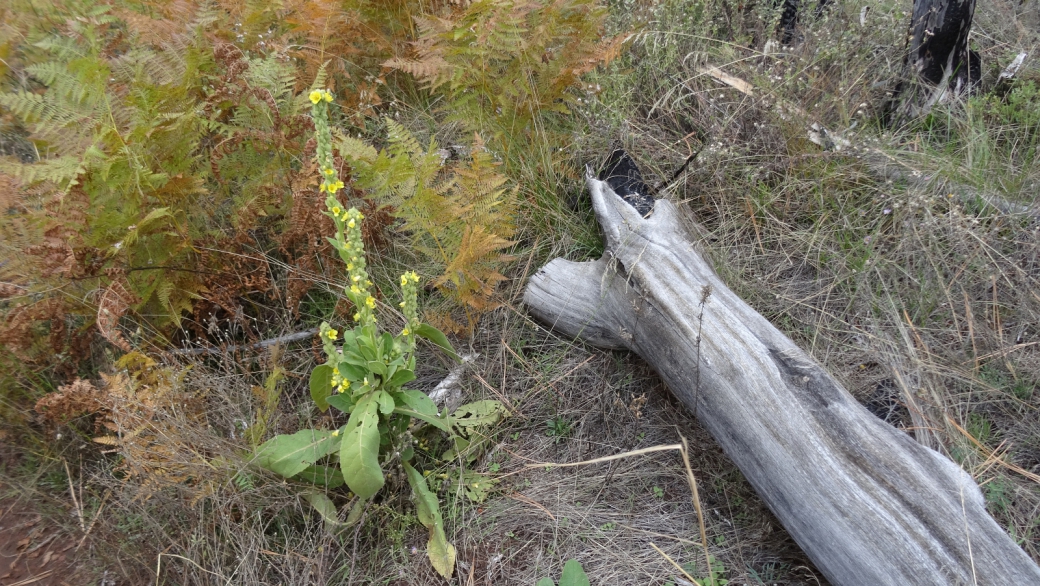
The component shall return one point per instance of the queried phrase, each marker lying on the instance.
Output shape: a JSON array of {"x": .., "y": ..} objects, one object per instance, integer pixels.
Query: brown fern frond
[
  {"x": 430, "y": 69},
  {"x": 114, "y": 303},
  {"x": 70, "y": 402}
]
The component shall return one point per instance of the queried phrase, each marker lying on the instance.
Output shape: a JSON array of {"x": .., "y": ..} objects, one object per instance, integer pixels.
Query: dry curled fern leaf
[{"x": 114, "y": 303}]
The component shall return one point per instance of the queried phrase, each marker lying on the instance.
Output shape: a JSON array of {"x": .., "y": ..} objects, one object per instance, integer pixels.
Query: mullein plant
[{"x": 364, "y": 376}]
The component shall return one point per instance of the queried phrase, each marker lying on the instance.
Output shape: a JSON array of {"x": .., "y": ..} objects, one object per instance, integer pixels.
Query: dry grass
[{"x": 879, "y": 260}]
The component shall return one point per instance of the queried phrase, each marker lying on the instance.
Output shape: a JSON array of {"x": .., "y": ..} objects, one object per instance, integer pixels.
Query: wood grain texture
[{"x": 865, "y": 502}]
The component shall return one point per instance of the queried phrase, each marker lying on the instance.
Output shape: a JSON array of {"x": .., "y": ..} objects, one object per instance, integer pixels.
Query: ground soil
[{"x": 34, "y": 550}]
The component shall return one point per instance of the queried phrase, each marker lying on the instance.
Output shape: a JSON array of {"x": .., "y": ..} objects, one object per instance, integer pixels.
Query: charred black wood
[
  {"x": 938, "y": 64},
  {"x": 624, "y": 177},
  {"x": 790, "y": 17}
]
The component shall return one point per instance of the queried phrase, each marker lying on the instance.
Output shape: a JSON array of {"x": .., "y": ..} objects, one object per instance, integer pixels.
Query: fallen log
[{"x": 866, "y": 503}]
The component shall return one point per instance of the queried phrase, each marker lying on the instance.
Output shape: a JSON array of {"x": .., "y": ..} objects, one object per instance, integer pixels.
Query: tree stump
[
  {"x": 866, "y": 503},
  {"x": 938, "y": 62}
]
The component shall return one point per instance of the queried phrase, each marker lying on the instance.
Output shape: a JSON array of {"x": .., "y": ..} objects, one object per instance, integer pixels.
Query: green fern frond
[
  {"x": 44, "y": 111},
  {"x": 355, "y": 148},
  {"x": 59, "y": 170}
]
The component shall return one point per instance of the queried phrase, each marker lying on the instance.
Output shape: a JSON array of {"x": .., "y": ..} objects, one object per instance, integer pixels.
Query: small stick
[
  {"x": 97, "y": 516},
  {"x": 696, "y": 500},
  {"x": 670, "y": 560},
  {"x": 72, "y": 492}
]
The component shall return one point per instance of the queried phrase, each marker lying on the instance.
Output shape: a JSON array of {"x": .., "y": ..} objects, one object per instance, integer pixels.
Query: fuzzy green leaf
[
  {"x": 326, "y": 476},
  {"x": 437, "y": 422},
  {"x": 321, "y": 385},
  {"x": 359, "y": 451},
  {"x": 440, "y": 551},
  {"x": 378, "y": 367},
  {"x": 417, "y": 401},
  {"x": 573, "y": 574},
  {"x": 341, "y": 401},
  {"x": 324, "y": 506},
  {"x": 418, "y": 405},
  {"x": 426, "y": 506},
  {"x": 486, "y": 412},
  {"x": 352, "y": 371},
  {"x": 437, "y": 337},
  {"x": 386, "y": 402},
  {"x": 401, "y": 376},
  {"x": 289, "y": 455}
]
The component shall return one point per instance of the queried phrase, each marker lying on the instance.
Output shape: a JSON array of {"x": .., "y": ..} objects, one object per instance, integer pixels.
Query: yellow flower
[
  {"x": 357, "y": 317},
  {"x": 404, "y": 279},
  {"x": 354, "y": 289},
  {"x": 335, "y": 433},
  {"x": 322, "y": 187},
  {"x": 350, "y": 266},
  {"x": 335, "y": 186},
  {"x": 401, "y": 304},
  {"x": 371, "y": 302},
  {"x": 332, "y": 334},
  {"x": 328, "y": 96},
  {"x": 328, "y": 171},
  {"x": 315, "y": 97},
  {"x": 355, "y": 278},
  {"x": 351, "y": 224},
  {"x": 335, "y": 210},
  {"x": 405, "y": 332},
  {"x": 335, "y": 371}
]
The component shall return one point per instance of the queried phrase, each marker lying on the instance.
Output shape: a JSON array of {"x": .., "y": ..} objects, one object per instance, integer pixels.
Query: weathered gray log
[{"x": 866, "y": 503}]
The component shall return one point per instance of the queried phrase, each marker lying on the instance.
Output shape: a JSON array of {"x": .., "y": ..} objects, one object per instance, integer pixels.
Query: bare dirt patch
[{"x": 35, "y": 550}]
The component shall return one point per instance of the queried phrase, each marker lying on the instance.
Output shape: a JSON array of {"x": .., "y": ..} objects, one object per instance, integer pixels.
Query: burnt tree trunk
[
  {"x": 866, "y": 503},
  {"x": 938, "y": 63}
]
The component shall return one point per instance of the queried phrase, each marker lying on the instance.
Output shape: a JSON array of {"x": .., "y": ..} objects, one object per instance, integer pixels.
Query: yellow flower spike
[{"x": 315, "y": 97}]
